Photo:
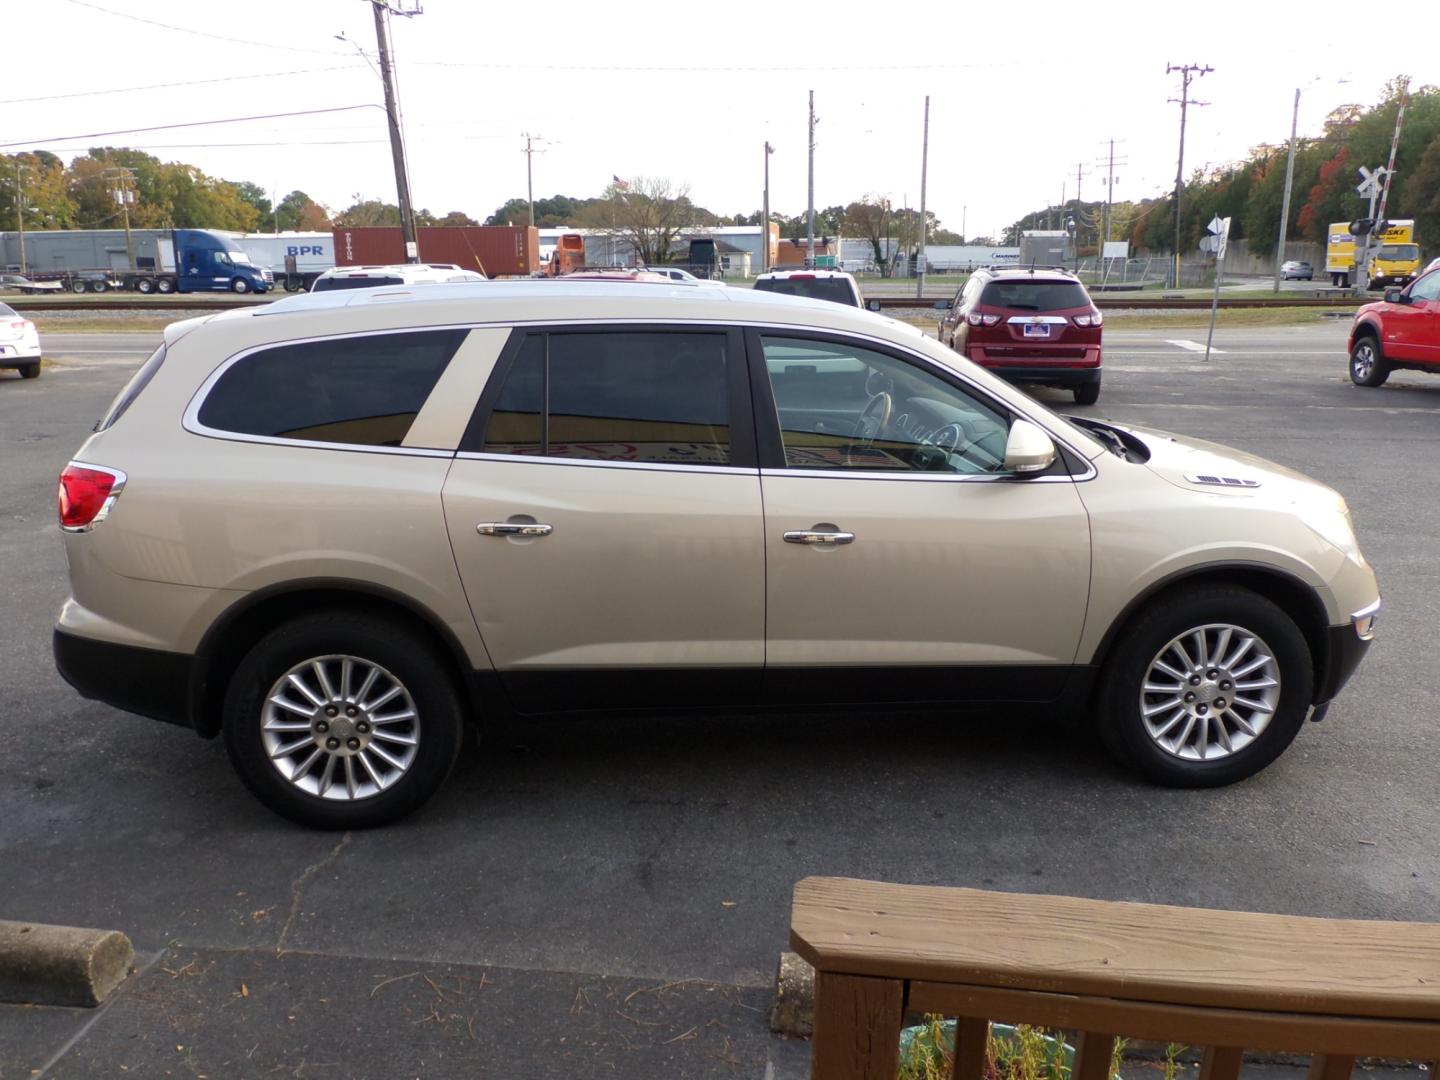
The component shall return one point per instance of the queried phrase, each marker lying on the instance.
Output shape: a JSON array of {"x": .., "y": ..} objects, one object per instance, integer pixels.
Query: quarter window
[
  {"x": 363, "y": 391},
  {"x": 618, "y": 396},
  {"x": 845, "y": 407}
]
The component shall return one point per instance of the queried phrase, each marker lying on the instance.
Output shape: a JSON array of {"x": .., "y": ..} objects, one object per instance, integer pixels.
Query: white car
[
  {"x": 834, "y": 285},
  {"x": 372, "y": 277},
  {"x": 19, "y": 343},
  {"x": 674, "y": 273},
  {"x": 333, "y": 529}
]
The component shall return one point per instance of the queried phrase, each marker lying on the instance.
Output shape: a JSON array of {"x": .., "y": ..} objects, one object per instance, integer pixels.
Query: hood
[{"x": 1212, "y": 469}]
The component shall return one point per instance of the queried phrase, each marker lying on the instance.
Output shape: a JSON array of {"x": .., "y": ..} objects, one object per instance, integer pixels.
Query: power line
[
  {"x": 672, "y": 69},
  {"x": 193, "y": 123},
  {"x": 202, "y": 33},
  {"x": 168, "y": 85}
]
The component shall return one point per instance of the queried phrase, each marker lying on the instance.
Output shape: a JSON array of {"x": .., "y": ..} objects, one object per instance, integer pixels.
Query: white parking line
[{"x": 1192, "y": 346}]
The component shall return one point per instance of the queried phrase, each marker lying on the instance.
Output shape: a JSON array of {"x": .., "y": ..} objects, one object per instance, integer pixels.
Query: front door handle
[
  {"x": 817, "y": 536},
  {"x": 513, "y": 528}
]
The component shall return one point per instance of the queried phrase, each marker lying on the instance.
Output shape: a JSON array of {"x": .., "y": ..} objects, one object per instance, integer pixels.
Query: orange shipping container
[{"x": 495, "y": 250}]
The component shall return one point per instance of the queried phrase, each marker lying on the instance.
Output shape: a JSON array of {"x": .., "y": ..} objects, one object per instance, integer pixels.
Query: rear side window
[
  {"x": 330, "y": 284},
  {"x": 836, "y": 289},
  {"x": 131, "y": 390},
  {"x": 361, "y": 391},
  {"x": 8, "y": 312},
  {"x": 1026, "y": 295},
  {"x": 617, "y": 396}
]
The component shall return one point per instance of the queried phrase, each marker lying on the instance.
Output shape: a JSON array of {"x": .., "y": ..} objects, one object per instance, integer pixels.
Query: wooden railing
[{"x": 1223, "y": 980}]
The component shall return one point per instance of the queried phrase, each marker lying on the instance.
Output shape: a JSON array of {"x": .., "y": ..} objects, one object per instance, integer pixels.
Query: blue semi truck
[{"x": 145, "y": 260}]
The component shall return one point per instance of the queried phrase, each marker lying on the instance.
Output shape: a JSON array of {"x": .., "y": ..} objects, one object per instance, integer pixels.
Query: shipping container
[{"x": 494, "y": 250}]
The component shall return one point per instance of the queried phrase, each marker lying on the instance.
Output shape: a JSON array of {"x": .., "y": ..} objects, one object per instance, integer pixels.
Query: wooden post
[
  {"x": 1221, "y": 1063},
  {"x": 971, "y": 1038},
  {"x": 857, "y": 1027},
  {"x": 1093, "y": 1052}
]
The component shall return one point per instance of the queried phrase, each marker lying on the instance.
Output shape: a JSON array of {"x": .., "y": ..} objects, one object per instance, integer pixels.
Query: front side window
[
  {"x": 1427, "y": 288},
  {"x": 628, "y": 396},
  {"x": 364, "y": 391},
  {"x": 845, "y": 407}
]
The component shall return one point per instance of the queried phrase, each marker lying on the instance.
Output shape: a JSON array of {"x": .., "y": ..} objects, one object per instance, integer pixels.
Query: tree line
[{"x": 1251, "y": 192}]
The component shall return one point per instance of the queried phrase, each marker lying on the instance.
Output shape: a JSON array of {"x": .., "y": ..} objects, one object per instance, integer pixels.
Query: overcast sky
[{"x": 1019, "y": 94}]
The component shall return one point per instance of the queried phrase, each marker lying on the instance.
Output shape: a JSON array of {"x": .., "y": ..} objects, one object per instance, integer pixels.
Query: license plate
[{"x": 1037, "y": 330}]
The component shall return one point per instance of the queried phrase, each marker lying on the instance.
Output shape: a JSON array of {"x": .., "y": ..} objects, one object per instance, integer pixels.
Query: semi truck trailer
[
  {"x": 148, "y": 260},
  {"x": 294, "y": 259}
]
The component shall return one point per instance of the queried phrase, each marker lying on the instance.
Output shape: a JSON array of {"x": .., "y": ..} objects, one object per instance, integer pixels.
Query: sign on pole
[{"x": 1219, "y": 229}]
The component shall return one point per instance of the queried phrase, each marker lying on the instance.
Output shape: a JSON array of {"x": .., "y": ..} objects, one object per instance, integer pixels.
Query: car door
[
  {"x": 604, "y": 510},
  {"x": 902, "y": 562},
  {"x": 1416, "y": 325}
]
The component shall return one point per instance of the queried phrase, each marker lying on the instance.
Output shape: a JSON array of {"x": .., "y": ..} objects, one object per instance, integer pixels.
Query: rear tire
[
  {"x": 1368, "y": 367},
  {"x": 77, "y": 286},
  {"x": 373, "y": 775},
  {"x": 145, "y": 286},
  {"x": 1140, "y": 661},
  {"x": 1088, "y": 394},
  {"x": 165, "y": 285},
  {"x": 30, "y": 370}
]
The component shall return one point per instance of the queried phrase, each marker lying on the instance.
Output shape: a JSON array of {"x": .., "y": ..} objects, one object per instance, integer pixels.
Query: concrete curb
[
  {"x": 61, "y": 965},
  {"x": 793, "y": 1013}
]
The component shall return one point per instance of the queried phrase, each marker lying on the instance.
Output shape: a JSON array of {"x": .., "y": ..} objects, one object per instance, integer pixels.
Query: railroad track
[{"x": 1102, "y": 301}]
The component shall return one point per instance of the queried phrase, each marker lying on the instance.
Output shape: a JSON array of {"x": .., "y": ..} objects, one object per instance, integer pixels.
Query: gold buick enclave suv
[{"x": 335, "y": 528}]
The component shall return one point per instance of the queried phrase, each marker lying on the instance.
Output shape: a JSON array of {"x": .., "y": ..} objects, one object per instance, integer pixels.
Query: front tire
[
  {"x": 340, "y": 720},
  {"x": 240, "y": 285},
  {"x": 1205, "y": 688},
  {"x": 1368, "y": 366}
]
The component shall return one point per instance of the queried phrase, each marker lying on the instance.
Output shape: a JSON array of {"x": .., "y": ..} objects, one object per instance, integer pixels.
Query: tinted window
[
  {"x": 361, "y": 390},
  {"x": 1026, "y": 295},
  {"x": 844, "y": 407},
  {"x": 131, "y": 390},
  {"x": 330, "y": 283},
  {"x": 7, "y": 312},
  {"x": 1427, "y": 288},
  {"x": 643, "y": 397},
  {"x": 836, "y": 289}
]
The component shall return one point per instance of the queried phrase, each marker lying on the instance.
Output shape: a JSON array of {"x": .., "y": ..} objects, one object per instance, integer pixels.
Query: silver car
[{"x": 336, "y": 528}]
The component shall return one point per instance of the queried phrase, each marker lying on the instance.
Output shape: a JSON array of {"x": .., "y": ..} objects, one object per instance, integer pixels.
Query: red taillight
[
  {"x": 1093, "y": 319},
  {"x": 86, "y": 495},
  {"x": 981, "y": 318}
]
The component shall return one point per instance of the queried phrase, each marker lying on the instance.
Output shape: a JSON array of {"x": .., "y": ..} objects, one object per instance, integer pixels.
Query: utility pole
[
  {"x": 1079, "y": 207},
  {"x": 1285, "y": 201},
  {"x": 1107, "y": 162},
  {"x": 529, "y": 153},
  {"x": 20, "y": 208},
  {"x": 1372, "y": 238},
  {"x": 1187, "y": 72},
  {"x": 121, "y": 193},
  {"x": 765, "y": 215},
  {"x": 810, "y": 213},
  {"x": 924, "y": 225},
  {"x": 382, "y": 10}
]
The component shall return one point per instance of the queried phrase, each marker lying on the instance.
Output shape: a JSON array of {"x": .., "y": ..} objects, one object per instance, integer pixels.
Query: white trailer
[{"x": 295, "y": 258}]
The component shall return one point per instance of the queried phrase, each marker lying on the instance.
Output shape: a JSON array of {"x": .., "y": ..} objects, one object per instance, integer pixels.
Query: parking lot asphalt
[{"x": 574, "y": 868}]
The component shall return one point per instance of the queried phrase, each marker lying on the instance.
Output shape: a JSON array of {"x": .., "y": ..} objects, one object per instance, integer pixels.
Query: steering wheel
[{"x": 873, "y": 422}]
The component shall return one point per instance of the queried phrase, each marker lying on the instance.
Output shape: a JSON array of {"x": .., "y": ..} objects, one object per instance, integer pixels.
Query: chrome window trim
[
  {"x": 190, "y": 419},
  {"x": 598, "y": 463},
  {"x": 928, "y": 478},
  {"x": 1047, "y": 320}
]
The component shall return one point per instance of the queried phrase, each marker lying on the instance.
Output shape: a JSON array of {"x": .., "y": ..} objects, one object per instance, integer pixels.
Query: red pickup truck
[{"x": 1401, "y": 331}]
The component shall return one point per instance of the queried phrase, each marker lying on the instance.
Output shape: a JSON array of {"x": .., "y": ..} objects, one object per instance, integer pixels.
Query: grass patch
[
  {"x": 99, "y": 325},
  {"x": 1226, "y": 317},
  {"x": 1019, "y": 1053}
]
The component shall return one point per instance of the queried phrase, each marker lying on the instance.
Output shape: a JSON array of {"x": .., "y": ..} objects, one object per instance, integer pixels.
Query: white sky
[{"x": 1020, "y": 92}]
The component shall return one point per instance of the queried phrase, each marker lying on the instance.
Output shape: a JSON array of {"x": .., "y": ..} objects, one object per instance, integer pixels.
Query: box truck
[{"x": 1396, "y": 261}]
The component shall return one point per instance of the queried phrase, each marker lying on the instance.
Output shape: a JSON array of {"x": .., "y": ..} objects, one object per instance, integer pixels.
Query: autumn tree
[{"x": 648, "y": 213}]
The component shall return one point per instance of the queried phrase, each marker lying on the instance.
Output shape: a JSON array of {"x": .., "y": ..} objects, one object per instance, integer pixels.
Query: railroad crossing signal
[{"x": 1371, "y": 180}]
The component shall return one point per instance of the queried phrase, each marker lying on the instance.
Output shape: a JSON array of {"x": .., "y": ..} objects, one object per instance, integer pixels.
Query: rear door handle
[
  {"x": 513, "y": 528},
  {"x": 814, "y": 536}
]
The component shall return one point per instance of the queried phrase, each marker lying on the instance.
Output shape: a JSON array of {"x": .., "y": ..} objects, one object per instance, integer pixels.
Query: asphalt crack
[{"x": 297, "y": 887}]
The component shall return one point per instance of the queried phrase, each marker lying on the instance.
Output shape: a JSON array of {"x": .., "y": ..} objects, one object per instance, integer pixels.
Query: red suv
[
  {"x": 1029, "y": 325},
  {"x": 1401, "y": 331}
]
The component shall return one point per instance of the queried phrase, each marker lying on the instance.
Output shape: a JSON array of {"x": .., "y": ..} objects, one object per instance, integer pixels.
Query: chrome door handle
[
  {"x": 512, "y": 528},
  {"x": 807, "y": 536}
]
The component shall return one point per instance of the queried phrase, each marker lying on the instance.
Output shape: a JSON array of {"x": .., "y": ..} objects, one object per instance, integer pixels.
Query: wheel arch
[
  {"x": 1366, "y": 327},
  {"x": 237, "y": 630},
  {"x": 1295, "y": 597}
]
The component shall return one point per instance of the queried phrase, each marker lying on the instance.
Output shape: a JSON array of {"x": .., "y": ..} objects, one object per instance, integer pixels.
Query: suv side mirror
[
  {"x": 1028, "y": 449},
  {"x": 872, "y": 305},
  {"x": 1396, "y": 296}
]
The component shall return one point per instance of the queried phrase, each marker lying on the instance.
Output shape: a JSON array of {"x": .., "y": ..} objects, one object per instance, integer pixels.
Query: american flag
[{"x": 620, "y": 184}]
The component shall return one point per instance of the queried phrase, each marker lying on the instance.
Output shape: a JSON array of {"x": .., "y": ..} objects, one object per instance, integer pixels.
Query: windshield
[
  {"x": 1400, "y": 252},
  {"x": 827, "y": 288},
  {"x": 1027, "y": 295},
  {"x": 237, "y": 256},
  {"x": 327, "y": 284}
]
